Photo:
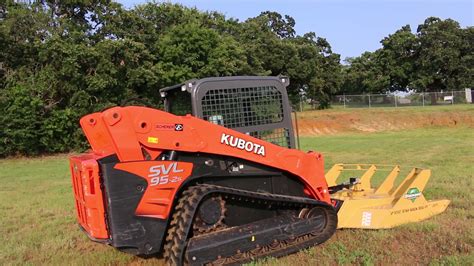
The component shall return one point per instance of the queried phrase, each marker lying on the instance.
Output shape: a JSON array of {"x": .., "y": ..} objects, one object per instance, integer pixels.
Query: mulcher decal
[
  {"x": 412, "y": 194},
  {"x": 242, "y": 144},
  {"x": 161, "y": 175}
]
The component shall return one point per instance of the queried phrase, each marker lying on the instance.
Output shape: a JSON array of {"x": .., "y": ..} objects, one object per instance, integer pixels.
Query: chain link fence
[{"x": 402, "y": 99}]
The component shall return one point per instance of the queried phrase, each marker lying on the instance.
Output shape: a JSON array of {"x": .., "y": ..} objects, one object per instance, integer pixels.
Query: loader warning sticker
[
  {"x": 412, "y": 194},
  {"x": 366, "y": 218},
  {"x": 152, "y": 140}
]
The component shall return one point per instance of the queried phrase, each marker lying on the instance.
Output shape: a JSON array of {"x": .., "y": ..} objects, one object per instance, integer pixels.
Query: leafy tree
[
  {"x": 273, "y": 48},
  {"x": 282, "y": 27},
  {"x": 318, "y": 73},
  {"x": 21, "y": 121},
  {"x": 438, "y": 55},
  {"x": 365, "y": 74},
  {"x": 397, "y": 58},
  {"x": 466, "y": 69},
  {"x": 190, "y": 51}
]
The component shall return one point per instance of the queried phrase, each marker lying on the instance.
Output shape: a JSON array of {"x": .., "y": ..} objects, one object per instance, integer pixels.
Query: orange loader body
[{"x": 135, "y": 132}]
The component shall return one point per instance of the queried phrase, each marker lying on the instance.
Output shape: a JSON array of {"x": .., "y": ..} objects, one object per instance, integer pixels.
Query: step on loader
[{"x": 215, "y": 178}]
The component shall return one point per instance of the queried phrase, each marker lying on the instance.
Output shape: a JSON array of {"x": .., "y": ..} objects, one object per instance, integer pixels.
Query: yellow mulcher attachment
[{"x": 385, "y": 206}]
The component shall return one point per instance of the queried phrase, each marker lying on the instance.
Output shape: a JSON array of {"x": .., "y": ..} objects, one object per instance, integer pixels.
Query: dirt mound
[{"x": 330, "y": 122}]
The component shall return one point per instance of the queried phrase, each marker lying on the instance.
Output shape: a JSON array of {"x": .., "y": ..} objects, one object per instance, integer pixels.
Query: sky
[{"x": 351, "y": 26}]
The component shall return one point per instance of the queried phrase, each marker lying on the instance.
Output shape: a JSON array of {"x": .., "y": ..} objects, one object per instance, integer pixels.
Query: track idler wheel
[{"x": 210, "y": 215}]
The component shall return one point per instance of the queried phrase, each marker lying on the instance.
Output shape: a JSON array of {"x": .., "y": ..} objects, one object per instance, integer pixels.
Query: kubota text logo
[
  {"x": 160, "y": 174},
  {"x": 242, "y": 144}
]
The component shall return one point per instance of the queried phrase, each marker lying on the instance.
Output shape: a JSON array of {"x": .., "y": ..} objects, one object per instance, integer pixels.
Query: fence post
[
  {"x": 344, "y": 99},
  {"x": 395, "y": 100},
  {"x": 452, "y": 99},
  {"x": 369, "y": 100},
  {"x": 423, "y": 98},
  {"x": 301, "y": 103}
]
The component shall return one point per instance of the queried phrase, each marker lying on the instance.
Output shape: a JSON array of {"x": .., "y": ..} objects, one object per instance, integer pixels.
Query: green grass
[{"x": 38, "y": 225}]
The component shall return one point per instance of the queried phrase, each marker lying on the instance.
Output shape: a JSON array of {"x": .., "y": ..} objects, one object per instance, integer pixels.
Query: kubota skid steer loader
[{"x": 224, "y": 185}]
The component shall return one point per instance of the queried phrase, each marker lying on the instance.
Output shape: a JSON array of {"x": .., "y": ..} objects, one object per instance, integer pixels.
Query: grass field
[{"x": 38, "y": 226}]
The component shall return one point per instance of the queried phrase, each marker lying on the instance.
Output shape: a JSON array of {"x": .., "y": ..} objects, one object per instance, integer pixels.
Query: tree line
[
  {"x": 60, "y": 60},
  {"x": 439, "y": 56}
]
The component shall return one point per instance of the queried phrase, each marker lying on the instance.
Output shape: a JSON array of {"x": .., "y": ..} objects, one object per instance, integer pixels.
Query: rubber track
[{"x": 188, "y": 203}]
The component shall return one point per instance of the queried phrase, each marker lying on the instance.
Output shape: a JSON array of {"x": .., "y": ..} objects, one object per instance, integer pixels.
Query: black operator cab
[{"x": 254, "y": 105}]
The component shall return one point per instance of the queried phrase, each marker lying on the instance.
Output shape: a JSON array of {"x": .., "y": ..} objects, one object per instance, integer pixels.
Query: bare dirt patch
[{"x": 331, "y": 122}]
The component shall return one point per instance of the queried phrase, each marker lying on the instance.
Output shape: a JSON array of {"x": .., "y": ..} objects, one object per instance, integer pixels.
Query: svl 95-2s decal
[
  {"x": 158, "y": 173},
  {"x": 162, "y": 174},
  {"x": 163, "y": 178}
]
